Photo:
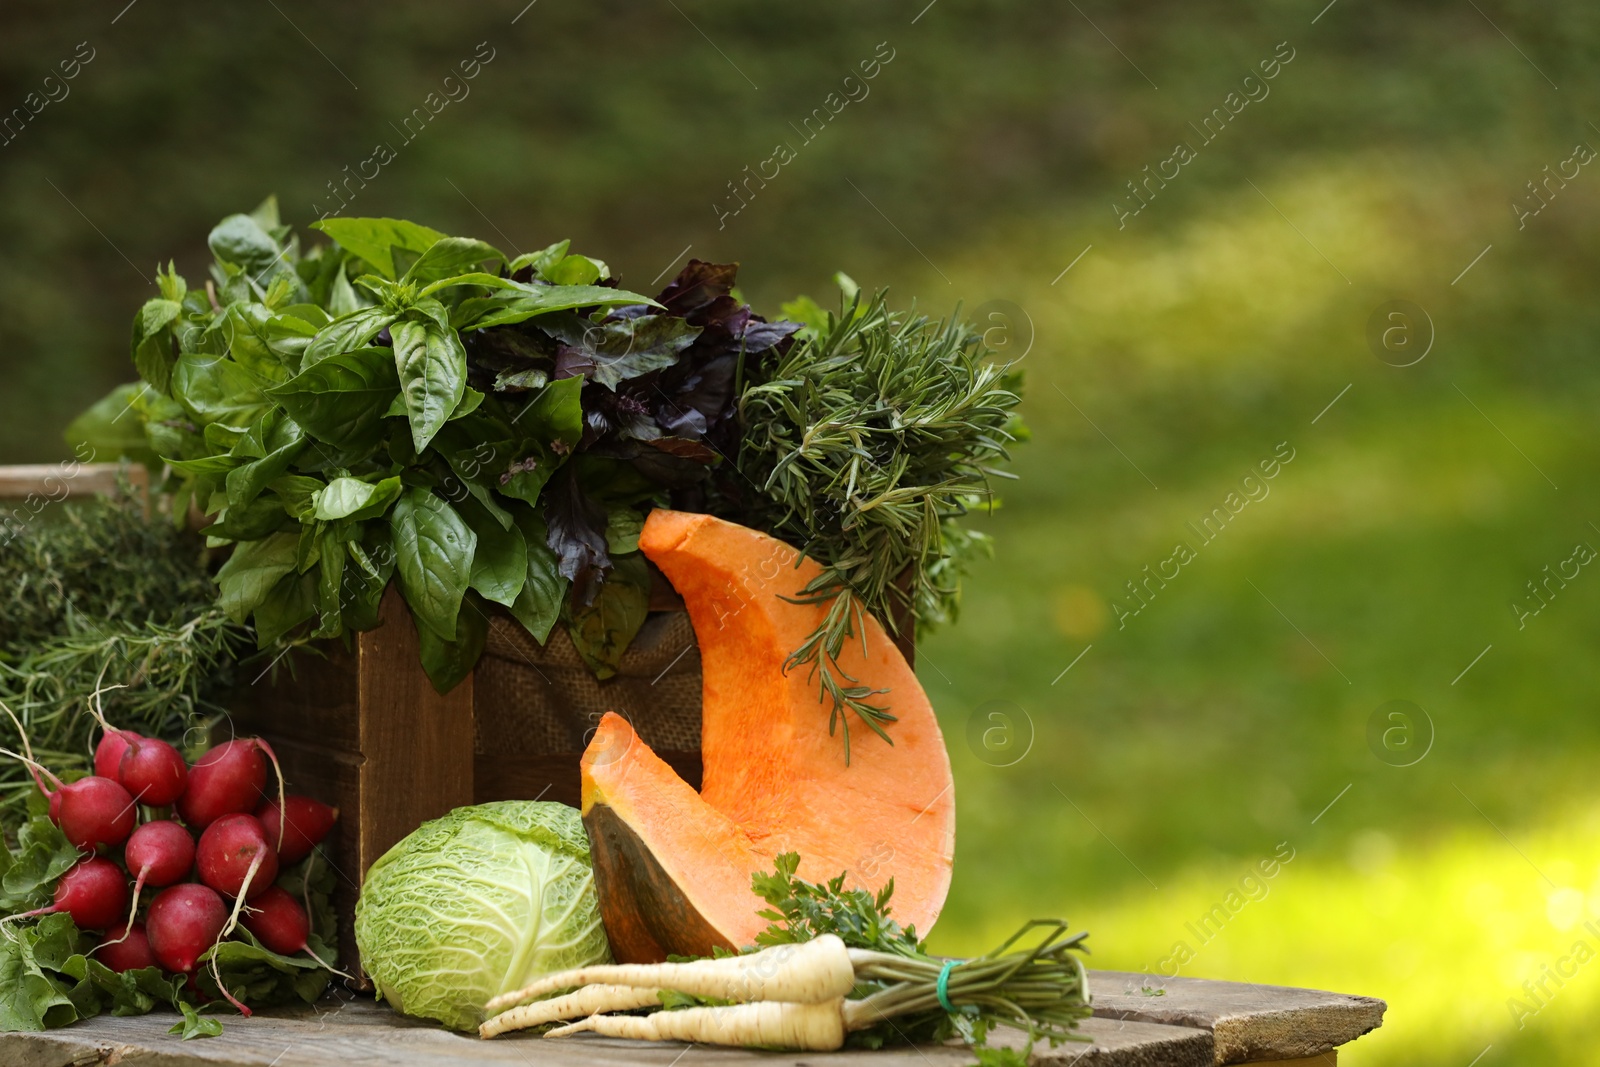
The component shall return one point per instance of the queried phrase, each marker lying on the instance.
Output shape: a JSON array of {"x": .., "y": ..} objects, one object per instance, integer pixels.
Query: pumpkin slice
[{"x": 673, "y": 866}]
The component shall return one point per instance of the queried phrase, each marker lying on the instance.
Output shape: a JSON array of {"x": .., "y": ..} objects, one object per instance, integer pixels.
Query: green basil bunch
[{"x": 321, "y": 408}]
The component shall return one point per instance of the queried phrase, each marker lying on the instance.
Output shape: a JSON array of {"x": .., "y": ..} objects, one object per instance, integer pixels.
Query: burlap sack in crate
[{"x": 537, "y": 702}]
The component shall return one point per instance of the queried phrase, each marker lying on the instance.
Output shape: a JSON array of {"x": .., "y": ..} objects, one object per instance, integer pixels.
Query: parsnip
[
  {"x": 811, "y": 972},
  {"x": 762, "y": 1024},
  {"x": 589, "y": 1000}
]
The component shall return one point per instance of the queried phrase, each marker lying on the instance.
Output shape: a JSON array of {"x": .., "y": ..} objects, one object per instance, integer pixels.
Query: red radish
[
  {"x": 160, "y": 853},
  {"x": 93, "y": 891},
  {"x": 278, "y": 921},
  {"x": 126, "y": 949},
  {"x": 234, "y": 857},
  {"x": 153, "y": 771},
  {"x": 227, "y": 780},
  {"x": 108, "y": 753},
  {"x": 183, "y": 922},
  {"x": 297, "y": 826},
  {"x": 96, "y": 811},
  {"x": 92, "y": 811}
]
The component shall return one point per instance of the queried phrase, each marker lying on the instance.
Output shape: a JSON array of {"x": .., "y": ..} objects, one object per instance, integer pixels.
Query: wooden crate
[{"x": 357, "y": 724}]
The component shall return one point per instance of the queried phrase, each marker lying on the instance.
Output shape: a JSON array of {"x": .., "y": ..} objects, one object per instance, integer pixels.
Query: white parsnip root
[
  {"x": 589, "y": 1000},
  {"x": 811, "y": 972},
  {"x": 767, "y": 1024}
]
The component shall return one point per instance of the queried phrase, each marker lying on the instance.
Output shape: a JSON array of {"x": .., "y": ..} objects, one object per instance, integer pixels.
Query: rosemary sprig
[
  {"x": 101, "y": 596},
  {"x": 869, "y": 440}
]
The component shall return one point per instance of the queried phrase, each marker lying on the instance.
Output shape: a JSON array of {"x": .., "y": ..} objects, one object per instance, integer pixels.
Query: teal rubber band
[{"x": 942, "y": 988}]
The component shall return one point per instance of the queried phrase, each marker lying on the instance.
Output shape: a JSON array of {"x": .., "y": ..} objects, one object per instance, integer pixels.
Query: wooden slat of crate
[
  {"x": 54, "y": 480},
  {"x": 365, "y": 731}
]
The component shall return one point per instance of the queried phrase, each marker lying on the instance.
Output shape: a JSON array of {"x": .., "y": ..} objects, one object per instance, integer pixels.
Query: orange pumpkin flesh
[{"x": 673, "y": 866}]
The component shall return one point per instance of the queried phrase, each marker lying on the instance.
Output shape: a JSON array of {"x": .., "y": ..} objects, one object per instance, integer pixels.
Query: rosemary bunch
[
  {"x": 868, "y": 441},
  {"x": 100, "y": 596}
]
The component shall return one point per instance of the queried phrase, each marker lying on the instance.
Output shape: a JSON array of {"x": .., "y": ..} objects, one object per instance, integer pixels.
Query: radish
[
  {"x": 92, "y": 811},
  {"x": 184, "y": 921},
  {"x": 153, "y": 771},
  {"x": 234, "y": 857},
  {"x": 278, "y": 921},
  {"x": 586, "y": 1001},
  {"x": 297, "y": 826},
  {"x": 159, "y": 854},
  {"x": 93, "y": 891},
  {"x": 227, "y": 780},
  {"x": 126, "y": 948},
  {"x": 114, "y": 744}
]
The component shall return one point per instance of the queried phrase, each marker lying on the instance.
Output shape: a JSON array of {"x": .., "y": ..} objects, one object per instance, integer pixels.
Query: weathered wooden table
[{"x": 1190, "y": 1023}]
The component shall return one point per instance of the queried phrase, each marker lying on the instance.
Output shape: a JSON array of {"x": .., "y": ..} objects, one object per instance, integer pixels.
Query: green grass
[{"x": 1228, "y": 715}]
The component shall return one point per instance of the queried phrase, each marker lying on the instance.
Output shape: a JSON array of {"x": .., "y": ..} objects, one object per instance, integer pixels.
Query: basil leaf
[
  {"x": 539, "y": 261},
  {"x": 614, "y": 351},
  {"x": 245, "y": 326},
  {"x": 526, "y": 301},
  {"x": 251, "y": 572},
  {"x": 114, "y": 427},
  {"x": 451, "y": 257},
  {"x": 342, "y": 299},
  {"x": 152, "y": 342},
  {"x": 252, "y": 522},
  {"x": 575, "y": 270},
  {"x": 433, "y": 375},
  {"x": 330, "y": 582},
  {"x": 241, "y": 241},
  {"x": 577, "y": 534},
  {"x": 361, "y": 591},
  {"x": 215, "y": 389},
  {"x": 603, "y": 630},
  {"x": 447, "y": 663},
  {"x": 374, "y": 240},
  {"x": 285, "y": 439},
  {"x": 500, "y": 566},
  {"x": 538, "y": 606},
  {"x": 341, "y": 400},
  {"x": 434, "y": 550},
  {"x": 287, "y": 604},
  {"x": 555, "y": 414},
  {"x": 352, "y": 498},
  {"x": 490, "y": 281},
  {"x": 352, "y": 332},
  {"x": 204, "y": 465},
  {"x": 297, "y": 493}
]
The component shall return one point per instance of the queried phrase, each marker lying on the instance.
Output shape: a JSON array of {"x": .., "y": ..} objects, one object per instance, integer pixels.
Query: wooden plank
[
  {"x": 359, "y": 1033},
  {"x": 1250, "y": 1023},
  {"x": 415, "y": 744},
  {"x": 307, "y": 708},
  {"x": 55, "y": 481}
]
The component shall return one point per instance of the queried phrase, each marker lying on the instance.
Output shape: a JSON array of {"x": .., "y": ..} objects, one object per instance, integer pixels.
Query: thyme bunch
[{"x": 869, "y": 440}]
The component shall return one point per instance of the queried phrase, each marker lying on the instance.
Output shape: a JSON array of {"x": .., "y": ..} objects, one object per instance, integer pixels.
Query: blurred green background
[{"x": 1214, "y": 728}]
